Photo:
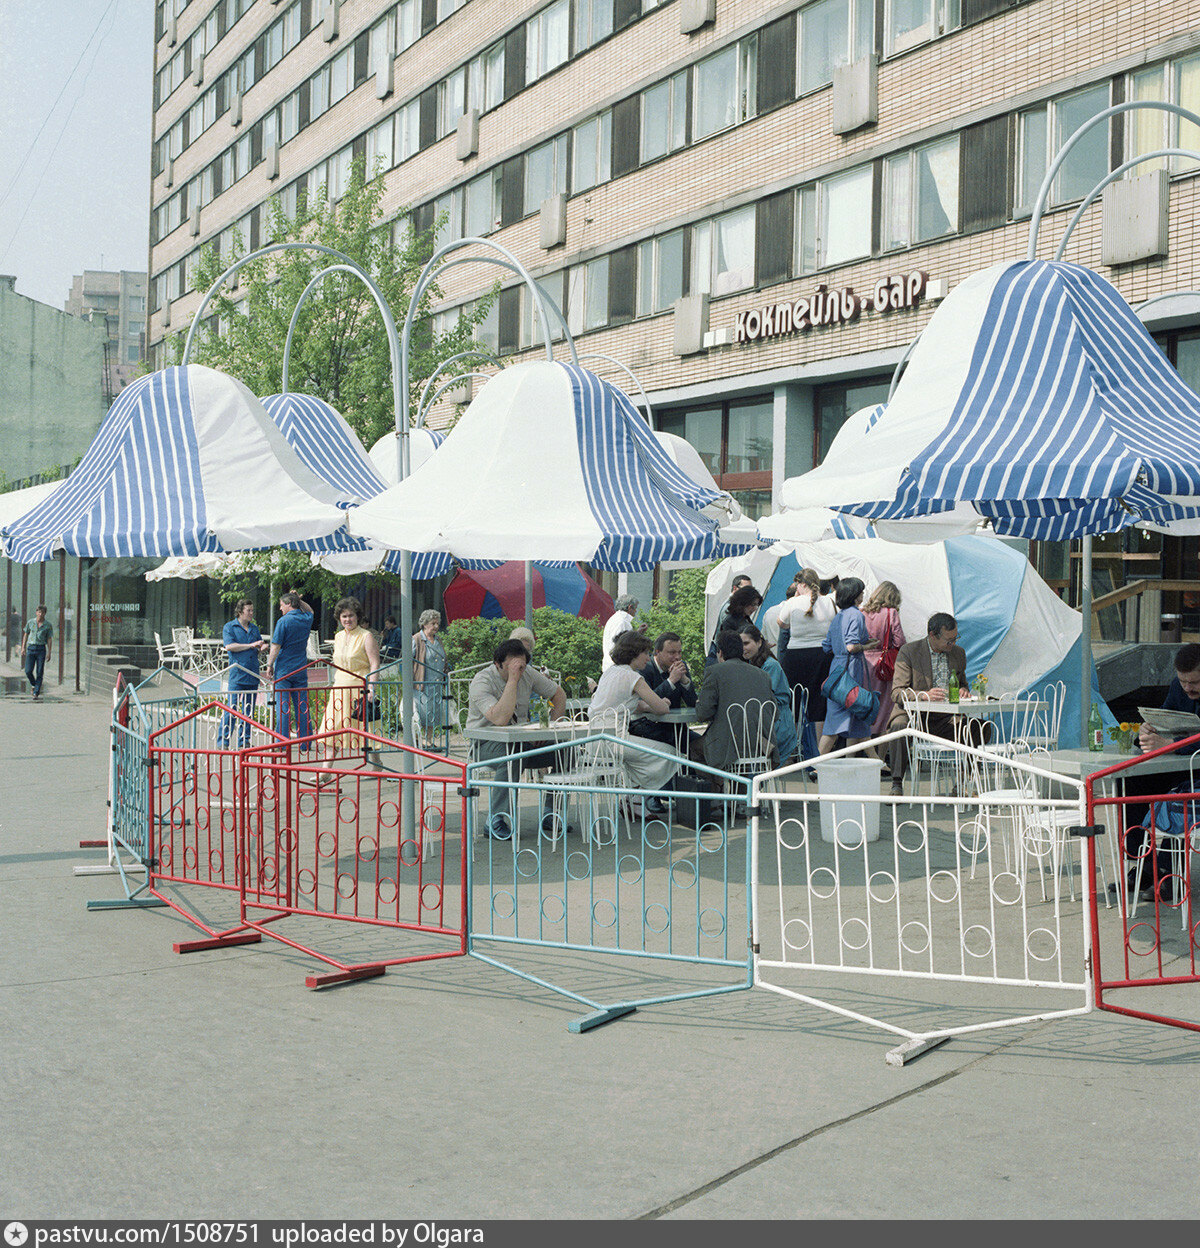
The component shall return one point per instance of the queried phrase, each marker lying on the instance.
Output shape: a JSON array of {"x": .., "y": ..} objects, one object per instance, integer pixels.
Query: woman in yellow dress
[{"x": 355, "y": 656}]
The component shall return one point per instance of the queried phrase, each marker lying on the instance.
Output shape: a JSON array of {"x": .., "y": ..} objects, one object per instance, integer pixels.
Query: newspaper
[{"x": 1170, "y": 723}]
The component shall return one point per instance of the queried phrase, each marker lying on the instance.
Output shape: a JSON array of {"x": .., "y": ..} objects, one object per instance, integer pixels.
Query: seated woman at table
[
  {"x": 623, "y": 687},
  {"x": 757, "y": 651},
  {"x": 355, "y": 658}
]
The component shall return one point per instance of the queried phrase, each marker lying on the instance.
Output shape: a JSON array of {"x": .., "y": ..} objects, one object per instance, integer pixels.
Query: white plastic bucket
[{"x": 848, "y": 778}]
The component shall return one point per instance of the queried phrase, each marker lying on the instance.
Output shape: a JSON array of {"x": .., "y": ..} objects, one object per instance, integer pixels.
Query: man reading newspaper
[{"x": 1177, "y": 721}]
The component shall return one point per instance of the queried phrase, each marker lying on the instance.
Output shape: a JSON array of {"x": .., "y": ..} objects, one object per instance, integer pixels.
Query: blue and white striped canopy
[
  {"x": 186, "y": 462},
  {"x": 1035, "y": 396},
  {"x": 550, "y": 463},
  {"x": 325, "y": 442}
]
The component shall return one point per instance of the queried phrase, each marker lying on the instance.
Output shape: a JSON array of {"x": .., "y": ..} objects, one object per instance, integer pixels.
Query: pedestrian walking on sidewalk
[{"x": 36, "y": 642}]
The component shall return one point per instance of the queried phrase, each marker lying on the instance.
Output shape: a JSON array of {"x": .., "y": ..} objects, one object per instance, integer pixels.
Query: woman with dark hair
[
  {"x": 623, "y": 687},
  {"x": 846, "y": 640},
  {"x": 740, "y": 610},
  {"x": 882, "y": 613},
  {"x": 756, "y": 650}
]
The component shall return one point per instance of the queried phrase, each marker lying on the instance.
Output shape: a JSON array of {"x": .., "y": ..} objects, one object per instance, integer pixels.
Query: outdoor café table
[
  {"x": 1079, "y": 764},
  {"x": 208, "y": 654}
]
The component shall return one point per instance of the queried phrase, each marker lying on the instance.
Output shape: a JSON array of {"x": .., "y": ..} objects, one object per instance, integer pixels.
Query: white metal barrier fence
[{"x": 973, "y": 888}]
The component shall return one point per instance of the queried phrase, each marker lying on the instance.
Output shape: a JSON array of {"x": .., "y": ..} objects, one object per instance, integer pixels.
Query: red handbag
[{"x": 885, "y": 669}]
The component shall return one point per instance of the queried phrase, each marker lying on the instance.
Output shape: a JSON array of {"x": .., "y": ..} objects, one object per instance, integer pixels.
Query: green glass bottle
[
  {"x": 1095, "y": 730},
  {"x": 952, "y": 691}
]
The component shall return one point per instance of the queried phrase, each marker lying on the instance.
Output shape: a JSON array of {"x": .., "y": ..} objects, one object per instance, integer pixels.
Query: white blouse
[{"x": 807, "y": 630}]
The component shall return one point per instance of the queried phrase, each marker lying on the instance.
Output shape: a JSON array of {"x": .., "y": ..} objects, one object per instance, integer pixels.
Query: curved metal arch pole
[
  {"x": 1039, "y": 208},
  {"x": 1175, "y": 294},
  {"x": 1113, "y": 110},
  {"x": 316, "y": 281},
  {"x": 447, "y": 384},
  {"x": 599, "y": 355},
  {"x": 898, "y": 371},
  {"x": 399, "y": 374},
  {"x": 1115, "y": 176},
  {"x": 476, "y": 353}
]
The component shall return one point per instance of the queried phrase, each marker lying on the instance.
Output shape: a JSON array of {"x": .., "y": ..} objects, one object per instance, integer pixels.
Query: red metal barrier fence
[
  {"x": 308, "y": 828},
  {"x": 1154, "y": 835}
]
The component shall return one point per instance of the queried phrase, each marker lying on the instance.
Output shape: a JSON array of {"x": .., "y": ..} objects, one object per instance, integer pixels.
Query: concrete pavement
[{"x": 138, "y": 1083}]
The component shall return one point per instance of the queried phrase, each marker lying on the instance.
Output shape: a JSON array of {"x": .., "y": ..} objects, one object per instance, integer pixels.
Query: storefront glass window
[
  {"x": 833, "y": 405},
  {"x": 702, "y": 428},
  {"x": 749, "y": 439}
]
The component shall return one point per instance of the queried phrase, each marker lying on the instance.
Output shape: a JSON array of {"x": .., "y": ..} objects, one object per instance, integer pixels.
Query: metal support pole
[
  {"x": 529, "y": 595},
  {"x": 1085, "y": 639}
]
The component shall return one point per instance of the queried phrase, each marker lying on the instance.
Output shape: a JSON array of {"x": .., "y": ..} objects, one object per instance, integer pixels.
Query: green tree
[{"x": 340, "y": 348}]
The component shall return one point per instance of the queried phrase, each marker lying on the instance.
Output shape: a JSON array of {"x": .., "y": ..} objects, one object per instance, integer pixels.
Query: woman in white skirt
[{"x": 623, "y": 686}]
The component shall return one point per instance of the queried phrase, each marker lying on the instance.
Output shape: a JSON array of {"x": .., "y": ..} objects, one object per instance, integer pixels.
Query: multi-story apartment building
[
  {"x": 120, "y": 298},
  {"x": 754, "y": 205}
]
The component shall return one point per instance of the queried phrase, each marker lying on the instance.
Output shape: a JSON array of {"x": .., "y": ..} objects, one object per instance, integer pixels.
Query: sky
[{"x": 75, "y": 112}]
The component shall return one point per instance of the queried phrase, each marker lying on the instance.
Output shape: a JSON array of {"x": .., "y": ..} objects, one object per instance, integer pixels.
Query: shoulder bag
[
  {"x": 839, "y": 687},
  {"x": 885, "y": 669}
]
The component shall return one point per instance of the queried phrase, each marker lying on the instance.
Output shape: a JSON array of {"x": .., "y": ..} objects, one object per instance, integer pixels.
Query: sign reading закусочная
[{"x": 828, "y": 307}]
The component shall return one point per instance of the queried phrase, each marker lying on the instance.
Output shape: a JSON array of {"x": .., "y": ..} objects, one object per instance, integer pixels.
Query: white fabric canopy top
[
  {"x": 553, "y": 464},
  {"x": 186, "y": 462}
]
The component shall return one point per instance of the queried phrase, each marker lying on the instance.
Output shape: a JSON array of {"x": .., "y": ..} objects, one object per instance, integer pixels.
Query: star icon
[{"x": 15, "y": 1234}]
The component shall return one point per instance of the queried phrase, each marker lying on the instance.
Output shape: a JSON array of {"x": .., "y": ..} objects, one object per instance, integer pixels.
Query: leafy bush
[{"x": 565, "y": 643}]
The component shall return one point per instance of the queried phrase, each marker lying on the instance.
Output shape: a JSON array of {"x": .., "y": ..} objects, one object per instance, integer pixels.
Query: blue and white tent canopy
[
  {"x": 550, "y": 463},
  {"x": 324, "y": 440},
  {"x": 1034, "y": 398},
  {"x": 186, "y": 462}
]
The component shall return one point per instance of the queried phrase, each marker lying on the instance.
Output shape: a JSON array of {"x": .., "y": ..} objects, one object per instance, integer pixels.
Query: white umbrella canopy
[
  {"x": 548, "y": 463},
  {"x": 16, "y": 503}
]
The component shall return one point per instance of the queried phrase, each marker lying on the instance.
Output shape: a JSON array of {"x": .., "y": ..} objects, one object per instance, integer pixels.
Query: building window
[
  {"x": 446, "y": 7},
  {"x": 834, "y": 220},
  {"x": 723, "y": 252},
  {"x": 545, "y": 173},
  {"x": 587, "y": 299},
  {"x": 408, "y": 131},
  {"x": 551, "y": 285},
  {"x": 833, "y": 406},
  {"x": 833, "y": 32},
  {"x": 451, "y": 205},
  {"x": 660, "y": 273},
  {"x": 483, "y": 205},
  {"x": 920, "y": 194},
  {"x": 908, "y": 23},
  {"x": 726, "y": 88},
  {"x": 547, "y": 40},
  {"x": 591, "y": 153},
  {"x": 408, "y": 28},
  {"x": 1177, "y": 82},
  {"x": 664, "y": 117},
  {"x": 735, "y": 441},
  {"x": 380, "y": 149},
  {"x": 451, "y": 101},
  {"x": 1042, "y": 134},
  {"x": 593, "y": 22}
]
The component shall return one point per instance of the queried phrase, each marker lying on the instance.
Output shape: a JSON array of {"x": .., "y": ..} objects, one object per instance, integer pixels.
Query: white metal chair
[
  {"x": 168, "y": 656},
  {"x": 752, "y": 728},
  {"x": 593, "y": 767},
  {"x": 181, "y": 639},
  {"x": 1043, "y": 724},
  {"x": 941, "y": 759}
]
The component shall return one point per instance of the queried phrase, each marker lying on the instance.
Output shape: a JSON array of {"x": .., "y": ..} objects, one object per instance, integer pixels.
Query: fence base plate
[
  {"x": 93, "y": 844},
  {"x": 217, "y": 942},
  {"x": 913, "y": 1048},
  {"x": 126, "y": 903},
  {"x": 599, "y": 1018},
  {"x": 343, "y": 977}
]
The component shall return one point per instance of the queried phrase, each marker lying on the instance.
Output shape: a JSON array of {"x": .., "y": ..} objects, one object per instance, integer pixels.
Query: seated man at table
[
  {"x": 1183, "y": 694},
  {"x": 730, "y": 683},
  {"x": 499, "y": 696},
  {"x": 924, "y": 666},
  {"x": 667, "y": 675}
]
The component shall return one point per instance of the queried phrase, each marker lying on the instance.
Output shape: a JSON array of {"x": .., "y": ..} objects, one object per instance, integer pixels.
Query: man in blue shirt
[
  {"x": 243, "y": 643},
  {"x": 35, "y": 650},
  {"x": 289, "y": 658}
]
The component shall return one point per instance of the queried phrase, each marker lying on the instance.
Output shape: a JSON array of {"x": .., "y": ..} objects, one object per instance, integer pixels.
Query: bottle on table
[
  {"x": 1095, "y": 735},
  {"x": 952, "y": 690}
]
